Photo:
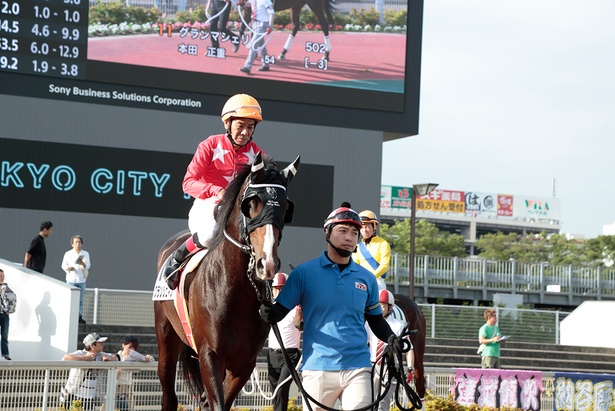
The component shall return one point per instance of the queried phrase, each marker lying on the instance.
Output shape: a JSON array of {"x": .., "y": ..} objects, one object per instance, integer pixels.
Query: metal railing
[
  {"x": 135, "y": 308},
  {"x": 503, "y": 276},
  {"x": 27, "y": 386}
]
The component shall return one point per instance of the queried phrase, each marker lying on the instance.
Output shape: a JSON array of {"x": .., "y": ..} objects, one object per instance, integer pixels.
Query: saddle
[{"x": 179, "y": 298}]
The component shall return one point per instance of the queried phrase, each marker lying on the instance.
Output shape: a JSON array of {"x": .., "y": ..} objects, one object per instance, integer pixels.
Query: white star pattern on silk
[
  {"x": 229, "y": 178},
  {"x": 219, "y": 153},
  {"x": 251, "y": 155}
]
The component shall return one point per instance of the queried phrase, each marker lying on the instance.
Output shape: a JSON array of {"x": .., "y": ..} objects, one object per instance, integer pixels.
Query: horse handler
[{"x": 335, "y": 294}]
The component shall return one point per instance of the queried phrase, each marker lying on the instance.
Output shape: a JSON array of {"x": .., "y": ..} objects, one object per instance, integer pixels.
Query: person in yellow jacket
[{"x": 373, "y": 252}]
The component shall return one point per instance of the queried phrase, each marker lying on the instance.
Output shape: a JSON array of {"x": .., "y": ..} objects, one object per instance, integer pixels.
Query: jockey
[
  {"x": 212, "y": 168},
  {"x": 373, "y": 252}
]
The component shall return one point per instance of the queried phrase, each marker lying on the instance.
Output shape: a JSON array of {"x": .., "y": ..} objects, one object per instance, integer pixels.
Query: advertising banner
[
  {"x": 39, "y": 175},
  {"x": 498, "y": 388},
  {"x": 481, "y": 205},
  {"x": 536, "y": 208},
  {"x": 394, "y": 198},
  {"x": 505, "y": 205},
  {"x": 442, "y": 201},
  {"x": 584, "y": 392}
]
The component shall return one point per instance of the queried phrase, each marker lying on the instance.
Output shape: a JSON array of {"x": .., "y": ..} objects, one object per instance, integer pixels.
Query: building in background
[{"x": 473, "y": 214}]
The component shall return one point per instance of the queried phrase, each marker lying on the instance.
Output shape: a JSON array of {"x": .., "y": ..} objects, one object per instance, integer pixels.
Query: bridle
[{"x": 273, "y": 197}]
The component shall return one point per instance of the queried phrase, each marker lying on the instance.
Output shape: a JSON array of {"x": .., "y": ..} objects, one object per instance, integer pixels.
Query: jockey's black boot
[{"x": 171, "y": 272}]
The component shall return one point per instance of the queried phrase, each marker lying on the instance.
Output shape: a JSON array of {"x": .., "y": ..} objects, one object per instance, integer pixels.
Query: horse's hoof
[
  {"x": 326, "y": 56},
  {"x": 281, "y": 57}
]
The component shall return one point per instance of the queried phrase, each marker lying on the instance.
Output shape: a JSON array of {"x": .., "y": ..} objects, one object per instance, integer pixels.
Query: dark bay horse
[
  {"x": 225, "y": 292},
  {"x": 414, "y": 316},
  {"x": 322, "y": 9}
]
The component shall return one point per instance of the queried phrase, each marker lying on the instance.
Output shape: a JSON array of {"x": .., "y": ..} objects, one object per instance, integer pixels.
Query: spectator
[
  {"x": 336, "y": 296},
  {"x": 489, "y": 335},
  {"x": 128, "y": 354},
  {"x": 373, "y": 252},
  {"x": 76, "y": 263},
  {"x": 82, "y": 383},
  {"x": 376, "y": 348},
  {"x": 290, "y": 330},
  {"x": 36, "y": 256},
  {"x": 8, "y": 302}
]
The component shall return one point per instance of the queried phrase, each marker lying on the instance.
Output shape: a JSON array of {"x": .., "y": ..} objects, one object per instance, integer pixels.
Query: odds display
[{"x": 47, "y": 38}]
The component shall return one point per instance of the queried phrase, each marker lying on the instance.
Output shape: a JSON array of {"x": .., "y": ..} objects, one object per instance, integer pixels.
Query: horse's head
[{"x": 265, "y": 208}]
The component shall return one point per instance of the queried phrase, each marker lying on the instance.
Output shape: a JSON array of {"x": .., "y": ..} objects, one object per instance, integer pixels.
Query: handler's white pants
[
  {"x": 352, "y": 387},
  {"x": 201, "y": 219}
]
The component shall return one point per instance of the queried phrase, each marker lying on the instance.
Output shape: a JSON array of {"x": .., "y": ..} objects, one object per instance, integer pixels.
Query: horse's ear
[
  {"x": 290, "y": 171},
  {"x": 258, "y": 171}
]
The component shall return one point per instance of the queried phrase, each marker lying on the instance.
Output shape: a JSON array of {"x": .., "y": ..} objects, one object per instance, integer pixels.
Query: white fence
[
  {"x": 135, "y": 308},
  {"x": 28, "y": 386}
]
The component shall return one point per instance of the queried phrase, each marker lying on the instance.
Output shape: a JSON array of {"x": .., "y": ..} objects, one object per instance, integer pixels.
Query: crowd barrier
[{"x": 31, "y": 385}]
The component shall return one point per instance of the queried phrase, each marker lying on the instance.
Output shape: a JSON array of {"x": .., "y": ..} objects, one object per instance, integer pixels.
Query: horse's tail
[{"x": 191, "y": 372}]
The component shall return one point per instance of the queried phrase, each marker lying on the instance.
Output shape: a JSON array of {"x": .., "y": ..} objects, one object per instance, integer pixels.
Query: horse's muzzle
[{"x": 266, "y": 268}]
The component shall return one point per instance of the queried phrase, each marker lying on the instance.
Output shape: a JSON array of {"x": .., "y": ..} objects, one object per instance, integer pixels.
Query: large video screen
[{"x": 366, "y": 79}]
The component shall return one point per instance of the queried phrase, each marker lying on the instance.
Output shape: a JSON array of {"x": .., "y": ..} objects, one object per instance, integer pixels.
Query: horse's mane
[{"x": 230, "y": 196}]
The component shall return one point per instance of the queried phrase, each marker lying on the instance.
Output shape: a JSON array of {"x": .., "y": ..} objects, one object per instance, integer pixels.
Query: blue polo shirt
[{"x": 333, "y": 304}]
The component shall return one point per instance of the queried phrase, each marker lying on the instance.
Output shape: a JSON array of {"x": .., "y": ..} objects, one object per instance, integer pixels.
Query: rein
[{"x": 392, "y": 362}]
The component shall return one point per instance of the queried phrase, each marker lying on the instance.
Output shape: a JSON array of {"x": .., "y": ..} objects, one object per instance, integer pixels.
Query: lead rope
[{"x": 394, "y": 368}]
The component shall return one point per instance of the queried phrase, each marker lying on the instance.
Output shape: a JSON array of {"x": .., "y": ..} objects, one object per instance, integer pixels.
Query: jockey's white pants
[{"x": 201, "y": 218}]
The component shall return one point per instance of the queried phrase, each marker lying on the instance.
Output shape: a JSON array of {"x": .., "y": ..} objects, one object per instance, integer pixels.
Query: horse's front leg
[
  {"x": 235, "y": 381},
  {"x": 212, "y": 374},
  {"x": 294, "y": 18}
]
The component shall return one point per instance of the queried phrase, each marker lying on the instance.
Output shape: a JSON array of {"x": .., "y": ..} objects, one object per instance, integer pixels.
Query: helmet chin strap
[{"x": 340, "y": 251}]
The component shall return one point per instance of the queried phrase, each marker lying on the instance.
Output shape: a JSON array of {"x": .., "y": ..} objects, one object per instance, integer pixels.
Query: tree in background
[{"x": 428, "y": 239}]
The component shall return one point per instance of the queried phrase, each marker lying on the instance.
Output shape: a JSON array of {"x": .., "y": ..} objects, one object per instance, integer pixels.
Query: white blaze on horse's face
[{"x": 269, "y": 265}]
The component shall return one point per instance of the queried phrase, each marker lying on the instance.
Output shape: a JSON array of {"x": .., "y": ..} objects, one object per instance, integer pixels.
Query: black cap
[{"x": 130, "y": 338}]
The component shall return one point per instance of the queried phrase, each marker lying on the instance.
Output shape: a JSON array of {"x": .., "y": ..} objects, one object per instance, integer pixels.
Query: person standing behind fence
[
  {"x": 373, "y": 252},
  {"x": 290, "y": 330},
  {"x": 128, "y": 354},
  {"x": 76, "y": 263},
  {"x": 489, "y": 334},
  {"x": 83, "y": 384},
  {"x": 8, "y": 303},
  {"x": 36, "y": 256}
]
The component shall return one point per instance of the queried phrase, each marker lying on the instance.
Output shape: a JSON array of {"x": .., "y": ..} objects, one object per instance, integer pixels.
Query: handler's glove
[
  {"x": 266, "y": 313},
  {"x": 395, "y": 343}
]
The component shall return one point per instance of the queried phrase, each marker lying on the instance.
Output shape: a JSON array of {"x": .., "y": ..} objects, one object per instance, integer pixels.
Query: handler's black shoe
[{"x": 263, "y": 68}]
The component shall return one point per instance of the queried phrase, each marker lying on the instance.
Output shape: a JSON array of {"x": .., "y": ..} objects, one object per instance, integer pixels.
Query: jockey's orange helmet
[
  {"x": 241, "y": 106},
  {"x": 368, "y": 216}
]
